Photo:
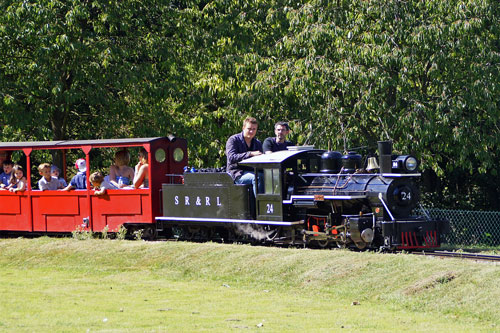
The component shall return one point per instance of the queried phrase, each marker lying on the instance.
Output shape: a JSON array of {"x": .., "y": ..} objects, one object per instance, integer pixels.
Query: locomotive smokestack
[{"x": 385, "y": 156}]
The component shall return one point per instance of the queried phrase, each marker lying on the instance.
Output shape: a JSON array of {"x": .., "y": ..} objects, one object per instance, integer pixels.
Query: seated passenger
[
  {"x": 54, "y": 171},
  {"x": 6, "y": 174},
  {"x": 17, "y": 180},
  {"x": 47, "y": 182},
  {"x": 120, "y": 173},
  {"x": 141, "y": 177},
  {"x": 79, "y": 181},
  {"x": 100, "y": 185},
  {"x": 241, "y": 146}
]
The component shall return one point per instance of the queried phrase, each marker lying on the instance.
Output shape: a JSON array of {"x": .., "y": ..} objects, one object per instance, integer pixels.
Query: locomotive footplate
[
  {"x": 414, "y": 234},
  {"x": 172, "y": 220}
]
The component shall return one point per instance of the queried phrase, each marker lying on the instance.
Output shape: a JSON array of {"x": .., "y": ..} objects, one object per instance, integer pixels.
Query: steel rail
[{"x": 460, "y": 255}]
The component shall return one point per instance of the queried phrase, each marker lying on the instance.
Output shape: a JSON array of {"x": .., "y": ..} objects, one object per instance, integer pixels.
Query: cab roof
[
  {"x": 71, "y": 144},
  {"x": 277, "y": 158}
]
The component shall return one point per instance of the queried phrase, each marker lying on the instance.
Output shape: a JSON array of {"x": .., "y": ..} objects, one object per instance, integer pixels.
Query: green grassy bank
[{"x": 56, "y": 285}]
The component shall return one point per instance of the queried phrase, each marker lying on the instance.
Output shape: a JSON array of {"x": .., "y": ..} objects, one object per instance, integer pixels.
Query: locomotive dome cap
[{"x": 81, "y": 165}]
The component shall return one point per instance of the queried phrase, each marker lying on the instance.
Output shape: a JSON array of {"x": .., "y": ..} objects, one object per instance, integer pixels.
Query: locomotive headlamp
[
  {"x": 405, "y": 163},
  {"x": 411, "y": 163}
]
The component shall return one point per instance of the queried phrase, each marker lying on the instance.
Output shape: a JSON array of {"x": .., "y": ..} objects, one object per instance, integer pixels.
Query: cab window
[{"x": 272, "y": 181}]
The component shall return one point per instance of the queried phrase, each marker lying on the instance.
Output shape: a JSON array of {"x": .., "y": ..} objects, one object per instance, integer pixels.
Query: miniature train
[{"x": 305, "y": 197}]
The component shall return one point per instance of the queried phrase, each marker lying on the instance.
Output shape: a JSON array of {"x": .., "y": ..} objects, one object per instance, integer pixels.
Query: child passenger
[
  {"x": 17, "y": 180},
  {"x": 54, "y": 171},
  {"x": 100, "y": 184},
  {"x": 120, "y": 174},
  {"x": 5, "y": 175},
  {"x": 79, "y": 181},
  {"x": 47, "y": 182}
]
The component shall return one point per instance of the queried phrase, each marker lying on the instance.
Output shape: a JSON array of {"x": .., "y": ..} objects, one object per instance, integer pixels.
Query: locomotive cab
[{"x": 278, "y": 175}]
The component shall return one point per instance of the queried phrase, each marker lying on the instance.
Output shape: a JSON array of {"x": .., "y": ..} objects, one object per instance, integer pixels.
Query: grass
[{"x": 67, "y": 285}]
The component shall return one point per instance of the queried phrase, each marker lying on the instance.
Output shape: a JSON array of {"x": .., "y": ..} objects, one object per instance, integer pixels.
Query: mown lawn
[{"x": 66, "y": 285}]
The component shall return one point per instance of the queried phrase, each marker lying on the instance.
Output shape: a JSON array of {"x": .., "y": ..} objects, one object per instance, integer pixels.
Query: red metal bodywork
[{"x": 66, "y": 211}]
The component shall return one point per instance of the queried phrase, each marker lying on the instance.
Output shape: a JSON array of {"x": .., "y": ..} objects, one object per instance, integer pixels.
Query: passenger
[
  {"x": 141, "y": 175},
  {"x": 100, "y": 184},
  {"x": 281, "y": 129},
  {"x": 120, "y": 173},
  {"x": 79, "y": 181},
  {"x": 241, "y": 146},
  {"x": 47, "y": 182},
  {"x": 6, "y": 174},
  {"x": 54, "y": 171},
  {"x": 17, "y": 180}
]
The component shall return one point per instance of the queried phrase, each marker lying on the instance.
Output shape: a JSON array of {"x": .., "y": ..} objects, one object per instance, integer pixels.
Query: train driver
[{"x": 281, "y": 129}]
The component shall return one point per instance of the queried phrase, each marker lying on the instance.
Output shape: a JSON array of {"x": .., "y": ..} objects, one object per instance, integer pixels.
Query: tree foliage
[{"x": 424, "y": 74}]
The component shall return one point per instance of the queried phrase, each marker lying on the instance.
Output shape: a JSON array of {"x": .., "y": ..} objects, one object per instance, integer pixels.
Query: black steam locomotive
[{"x": 306, "y": 197}]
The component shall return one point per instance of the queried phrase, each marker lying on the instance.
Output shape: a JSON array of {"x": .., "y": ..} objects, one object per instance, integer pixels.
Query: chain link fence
[{"x": 469, "y": 227}]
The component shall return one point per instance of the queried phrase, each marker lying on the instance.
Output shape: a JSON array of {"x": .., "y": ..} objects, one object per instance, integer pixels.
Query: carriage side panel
[
  {"x": 58, "y": 211},
  {"x": 14, "y": 211},
  {"x": 118, "y": 207}
]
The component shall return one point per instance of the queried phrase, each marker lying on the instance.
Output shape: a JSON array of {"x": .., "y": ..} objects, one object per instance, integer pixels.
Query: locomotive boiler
[{"x": 306, "y": 197}]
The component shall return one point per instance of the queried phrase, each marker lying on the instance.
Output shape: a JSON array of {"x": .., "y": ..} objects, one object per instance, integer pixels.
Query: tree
[{"x": 424, "y": 74}]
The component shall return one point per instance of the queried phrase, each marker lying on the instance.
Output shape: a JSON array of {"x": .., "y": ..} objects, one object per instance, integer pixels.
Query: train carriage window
[
  {"x": 272, "y": 181},
  {"x": 160, "y": 155},
  {"x": 178, "y": 154}
]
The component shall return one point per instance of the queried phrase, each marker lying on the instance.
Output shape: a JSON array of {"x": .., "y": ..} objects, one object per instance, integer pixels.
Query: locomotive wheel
[
  {"x": 323, "y": 243},
  {"x": 273, "y": 234},
  {"x": 178, "y": 232},
  {"x": 149, "y": 233},
  {"x": 188, "y": 233},
  {"x": 341, "y": 245},
  {"x": 360, "y": 245},
  {"x": 204, "y": 233},
  {"x": 192, "y": 232}
]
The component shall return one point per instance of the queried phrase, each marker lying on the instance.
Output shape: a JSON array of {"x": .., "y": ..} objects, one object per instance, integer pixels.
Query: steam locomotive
[{"x": 307, "y": 197}]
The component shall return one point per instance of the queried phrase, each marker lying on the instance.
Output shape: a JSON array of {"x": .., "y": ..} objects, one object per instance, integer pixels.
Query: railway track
[{"x": 461, "y": 255}]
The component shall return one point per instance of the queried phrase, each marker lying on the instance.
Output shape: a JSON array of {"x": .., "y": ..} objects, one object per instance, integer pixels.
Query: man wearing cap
[
  {"x": 281, "y": 129},
  {"x": 79, "y": 181}
]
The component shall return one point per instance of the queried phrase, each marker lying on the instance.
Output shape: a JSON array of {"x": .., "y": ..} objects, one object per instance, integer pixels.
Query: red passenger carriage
[{"x": 34, "y": 211}]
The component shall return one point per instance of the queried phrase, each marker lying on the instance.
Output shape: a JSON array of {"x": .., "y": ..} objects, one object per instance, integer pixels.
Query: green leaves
[{"x": 344, "y": 73}]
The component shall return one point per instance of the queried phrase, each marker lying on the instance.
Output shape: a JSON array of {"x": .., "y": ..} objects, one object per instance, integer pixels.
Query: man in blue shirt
[{"x": 242, "y": 146}]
